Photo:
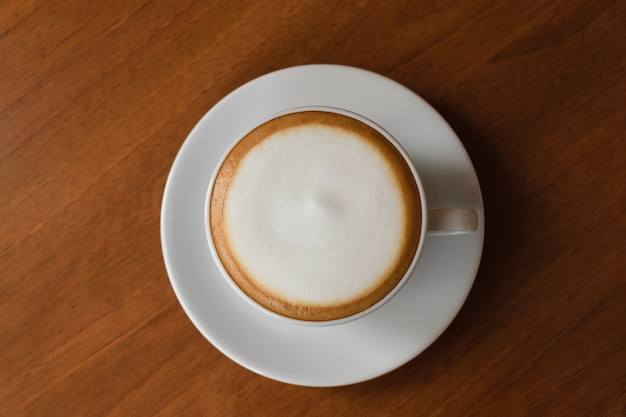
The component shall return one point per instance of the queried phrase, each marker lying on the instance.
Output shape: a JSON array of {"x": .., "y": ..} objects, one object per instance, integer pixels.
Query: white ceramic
[
  {"x": 392, "y": 293},
  {"x": 361, "y": 349}
]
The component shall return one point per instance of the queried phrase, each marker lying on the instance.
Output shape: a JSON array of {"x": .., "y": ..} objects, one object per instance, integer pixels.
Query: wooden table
[{"x": 95, "y": 102}]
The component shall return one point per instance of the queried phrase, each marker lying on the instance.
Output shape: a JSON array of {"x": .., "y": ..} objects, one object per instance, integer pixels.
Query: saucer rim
[{"x": 178, "y": 286}]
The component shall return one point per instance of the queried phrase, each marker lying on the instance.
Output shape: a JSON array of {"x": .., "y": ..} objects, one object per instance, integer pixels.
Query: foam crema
[{"x": 315, "y": 215}]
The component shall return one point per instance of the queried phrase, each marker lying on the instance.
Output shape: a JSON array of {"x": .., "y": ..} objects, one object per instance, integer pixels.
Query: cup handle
[{"x": 452, "y": 220}]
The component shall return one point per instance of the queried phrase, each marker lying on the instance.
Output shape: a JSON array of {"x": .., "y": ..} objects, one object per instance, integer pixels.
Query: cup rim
[{"x": 318, "y": 323}]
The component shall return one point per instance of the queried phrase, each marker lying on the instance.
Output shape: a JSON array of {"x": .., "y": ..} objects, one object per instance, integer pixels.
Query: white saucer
[{"x": 361, "y": 349}]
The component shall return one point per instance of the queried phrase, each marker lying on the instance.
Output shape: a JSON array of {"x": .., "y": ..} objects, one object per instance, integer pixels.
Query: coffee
[{"x": 315, "y": 215}]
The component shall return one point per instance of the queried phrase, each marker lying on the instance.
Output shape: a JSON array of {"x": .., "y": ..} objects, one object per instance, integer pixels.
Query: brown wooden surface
[{"x": 95, "y": 101}]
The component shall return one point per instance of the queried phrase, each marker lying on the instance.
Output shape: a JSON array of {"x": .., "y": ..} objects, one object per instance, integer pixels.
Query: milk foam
[{"x": 315, "y": 215}]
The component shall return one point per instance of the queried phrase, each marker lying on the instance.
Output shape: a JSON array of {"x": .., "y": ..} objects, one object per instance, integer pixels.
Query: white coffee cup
[{"x": 287, "y": 241}]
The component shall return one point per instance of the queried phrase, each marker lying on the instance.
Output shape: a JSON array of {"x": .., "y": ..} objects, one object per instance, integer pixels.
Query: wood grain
[{"x": 95, "y": 101}]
